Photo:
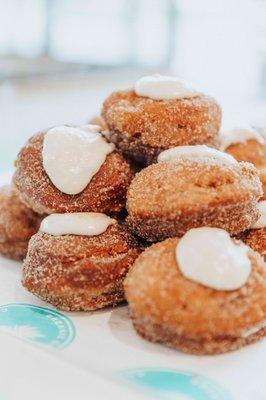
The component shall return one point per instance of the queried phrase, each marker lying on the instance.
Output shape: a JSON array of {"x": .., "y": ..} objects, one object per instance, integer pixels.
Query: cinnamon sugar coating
[
  {"x": 17, "y": 224},
  {"x": 256, "y": 239},
  {"x": 167, "y": 199},
  {"x": 105, "y": 193},
  {"x": 254, "y": 152},
  {"x": 168, "y": 308},
  {"x": 141, "y": 127},
  {"x": 80, "y": 272}
]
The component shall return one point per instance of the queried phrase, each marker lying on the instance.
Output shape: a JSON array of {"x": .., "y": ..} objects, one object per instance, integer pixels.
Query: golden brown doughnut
[
  {"x": 141, "y": 127},
  {"x": 254, "y": 152},
  {"x": 80, "y": 272},
  {"x": 168, "y": 308},
  {"x": 169, "y": 198},
  {"x": 106, "y": 191},
  {"x": 17, "y": 224}
]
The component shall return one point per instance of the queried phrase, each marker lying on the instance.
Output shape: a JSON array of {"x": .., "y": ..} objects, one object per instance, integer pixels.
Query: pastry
[
  {"x": 193, "y": 186},
  {"x": 201, "y": 294},
  {"x": 161, "y": 112},
  {"x": 68, "y": 169},
  {"x": 78, "y": 261}
]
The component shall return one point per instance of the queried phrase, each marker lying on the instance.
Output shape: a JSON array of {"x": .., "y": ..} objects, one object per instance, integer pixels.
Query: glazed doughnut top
[
  {"x": 210, "y": 257},
  {"x": 261, "y": 223},
  {"x": 159, "y": 87},
  {"x": 72, "y": 156},
  {"x": 195, "y": 152},
  {"x": 238, "y": 133},
  {"x": 83, "y": 223}
]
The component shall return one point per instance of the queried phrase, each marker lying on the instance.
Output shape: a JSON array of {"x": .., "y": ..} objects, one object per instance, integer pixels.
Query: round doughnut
[
  {"x": 256, "y": 239},
  {"x": 106, "y": 192},
  {"x": 169, "y": 198},
  {"x": 168, "y": 308},
  {"x": 79, "y": 272},
  {"x": 17, "y": 224},
  {"x": 254, "y": 152},
  {"x": 141, "y": 127}
]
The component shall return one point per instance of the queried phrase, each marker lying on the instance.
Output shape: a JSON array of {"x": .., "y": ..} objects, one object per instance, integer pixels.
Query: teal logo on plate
[
  {"x": 39, "y": 325},
  {"x": 173, "y": 384}
]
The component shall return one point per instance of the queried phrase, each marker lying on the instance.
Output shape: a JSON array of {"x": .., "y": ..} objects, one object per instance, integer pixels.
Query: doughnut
[
  {"x": 256, "y": 237},
  {"x": 79, "y": 272},
  {"x": 167, "y": 199},
  {"x": 167, "y": 307},
  {"x": 247, "y": 144},
  {"x": 106, "y": 191},
  {"x": 141, "y": 127},
  {"x": 17, "y": 224}
]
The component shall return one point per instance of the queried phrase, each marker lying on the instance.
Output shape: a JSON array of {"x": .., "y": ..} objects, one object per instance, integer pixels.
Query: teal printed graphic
[
  {"x": 174, "y": 384},
  {"x": 39, "y": 325}
]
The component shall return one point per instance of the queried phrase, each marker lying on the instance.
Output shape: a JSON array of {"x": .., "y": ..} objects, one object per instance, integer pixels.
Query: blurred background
[{"x": 60, "y": 58}]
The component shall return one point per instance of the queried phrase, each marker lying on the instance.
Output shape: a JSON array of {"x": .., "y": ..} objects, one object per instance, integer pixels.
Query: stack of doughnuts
[
  {"x": 199, "y": 289},
  {"x": 74, "y": 183},
  {"x": 151, "y": 202}
]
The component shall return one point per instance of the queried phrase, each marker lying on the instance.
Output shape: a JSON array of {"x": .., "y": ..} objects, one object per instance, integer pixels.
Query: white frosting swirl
[
  {"x": 197, "y": 152},
  {"x": 160, "y": 87},
  {"x": 233, "y": 132},
  {"x": 261, "y": 223},
  {"x": 89, "y": 224},
  {"x": 72, "y": 156},
  {"x": 210, "y": 257}
]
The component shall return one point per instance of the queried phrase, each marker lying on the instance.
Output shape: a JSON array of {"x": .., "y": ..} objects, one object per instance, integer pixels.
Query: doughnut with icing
[
  {"x": 106, "y": 192},
  {"x": 142, "y": 127},
  {"x": 78, "y": 272},
  {"x": 167, "y": 199},
  {"x": 167, "y": 307}
]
